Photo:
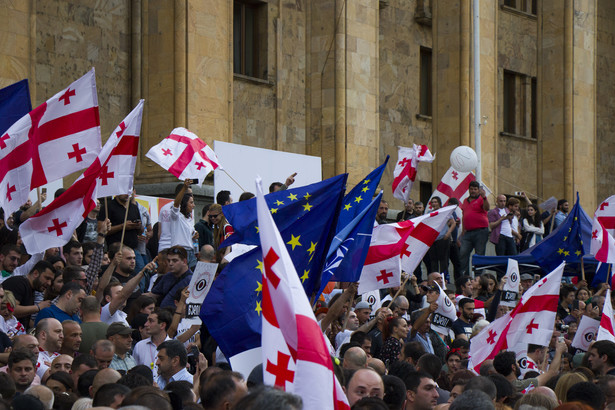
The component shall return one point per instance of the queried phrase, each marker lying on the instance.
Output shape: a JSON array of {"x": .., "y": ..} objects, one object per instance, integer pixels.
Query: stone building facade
[{"x": 346, "y": 80}]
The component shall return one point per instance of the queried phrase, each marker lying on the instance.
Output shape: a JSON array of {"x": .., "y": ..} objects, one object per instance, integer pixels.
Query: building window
[
  {"x": 426, "y": 82},
  {"x": 249, "y": 38},
  {"x": 526, "y": 6},
  {"x": 519, "y": 104}
]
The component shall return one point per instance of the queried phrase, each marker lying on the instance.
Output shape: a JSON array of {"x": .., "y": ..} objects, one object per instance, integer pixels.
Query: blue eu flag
[{"x": 14, "y": 104}]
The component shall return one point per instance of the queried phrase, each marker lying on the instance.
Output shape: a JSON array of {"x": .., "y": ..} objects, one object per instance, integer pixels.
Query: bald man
[
  {"x": 355, "y": 358},
  {"x": 104, "y": 376}
]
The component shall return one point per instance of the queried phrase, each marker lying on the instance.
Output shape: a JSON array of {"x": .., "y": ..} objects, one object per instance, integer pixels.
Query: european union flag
[
  {"x": 349, "y": 247},
  {"x": 285, "y": 206},
  {"x": 565, "y": 244},
  {"x": 14, "y": 104},
  {"x": 232, "y": 308},
  {"x": 602, "y": 275},
  {"x": 359, "y": 197}
]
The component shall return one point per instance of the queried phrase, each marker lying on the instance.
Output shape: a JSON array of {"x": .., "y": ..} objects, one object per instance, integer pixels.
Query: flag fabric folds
[
  {"x": 55, "y": 139},
  {"x": 14, "y": 104},
  {"x": 398, "y": 246},
  {"x": 54, "y": 225},
  {"x": 184, "y": 155},
  {"x": 360, "y": 196},
  {"x": 586, "y": 333},
  {"x": 296, "y": 353},
  {"x": 285, "y": 207},
  {"x": 606, "y": 330},
  {"x": 603, "y": 231},
  {"x": 454, "y": 184},
  {"x": 565, "y": 244},
  {"x": 406, "y": 168},
  {"x": 531, "y": 321}
]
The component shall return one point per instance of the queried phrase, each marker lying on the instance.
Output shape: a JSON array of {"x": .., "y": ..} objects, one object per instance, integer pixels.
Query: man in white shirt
[
  {"x": 164, "y": 221},
  {"x": 116, "y": 295},
  {"x": 171, "y": 361},
  {"x": 504, "y": 224},
  {"x": 156, "y": 327}
]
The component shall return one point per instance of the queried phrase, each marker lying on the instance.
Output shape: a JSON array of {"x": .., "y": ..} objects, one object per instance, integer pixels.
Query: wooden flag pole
[
  {"x": 403, "y": 285},
  {"x": 125, "y": 218},
  {"x": 233, "y": 179},
  {"x": 582, "y": 269}
]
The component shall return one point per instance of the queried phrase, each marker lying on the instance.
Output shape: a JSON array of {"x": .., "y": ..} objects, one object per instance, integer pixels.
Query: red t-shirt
[{"x": 474, "y": 216}]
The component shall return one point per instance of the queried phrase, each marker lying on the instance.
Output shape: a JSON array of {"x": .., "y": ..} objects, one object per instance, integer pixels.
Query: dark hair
[
  {"x": 105, "y": 395},
  {"x": 561, "y": 202},
  {"x": 22, "y": 354},
  {"x": 63, "y": 378},
  {"x": 179, "y": 251},
  {"x": 430, "y": 363},
  {"x": 205, "y": 209},
  {"x": 8, "y": 248},
  {"x": 503, "y": 387},
  {"x": 393, "y": 322},
  {"x": 457, "y": 343},
  {"x": 217, "y": 389},
  {"x": 484, "y": 384},
  {"x": 437, "y": 199},
  {"x": 266, "y": 397},
  {"x": 370, "y": 403},
  {"x": 7, "y": 386},
  {"x": 85, "y": 359},
  {"x": 565, "y": 290},
  {"x": 413, "y": 380},
  {"x": 181, "y": 389},
  {"x": 183, "y": 206},
  {"x": 344, "y": 348},
  {"x": 42, "y": 266},
  {"x": 175, "y": 348},
  {"x": 461, "y": 282},
  {"x": 413, "y": 350},
  {"x": 71, "y": 287},
  {"x": 503, "y": 361},
  {"x": 472, "y": 399},
  {"x": 360, "y": 337},
  {"x": 88, "y": 246},
  {"x": 464, "y": 302},
  {"x": 138, "y": 304},
  {"x": 133, "y": 380},
  {"x": 85, "y": 381},
  {"x": 474, "y": 184},
  {"x": 164, "y": 316},
  {"x": 535, "y": 220},
  {"x": 223, "y": 196},
  {"x": 274, "y": 185},
  {"x": 586, "y": 392},
  {"x": 144, "y": 371},
  {"x": 71, "y": 273},
  {"x": 27, "y": 402},
  {"x": 72, "y": 244},
  {"x": 148, "y": 396},
  {"x": 245, "y": 196},
  {"x": 401, "y": 369},
  {"x": 605, "y": 347},
  {"x": 394, "y": 391}
]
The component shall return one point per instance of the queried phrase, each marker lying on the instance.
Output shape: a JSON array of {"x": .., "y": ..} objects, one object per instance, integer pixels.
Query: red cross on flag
[
  {"x": 398, "y": 246},
  {"x": 55, "y": 224},
  {"x": 531, "y": 321},
  {"x": 184, "y": 155},
  {"x": 405, "y": 169},
  {"x": 603, "y": 232},
  {"x": 607, "y": 323},
  {"x": 55, "y": 139},
  {"x": 295, "y": 355},
  {"x": 454, "y": 184}
]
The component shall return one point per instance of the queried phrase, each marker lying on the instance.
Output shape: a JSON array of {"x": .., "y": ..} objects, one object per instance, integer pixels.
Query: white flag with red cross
[
  {"x": 398, "y": 246},
  {"x": 607, "y": 325},
  {"x": 295, "y": 354},
  {"x": 603, "y": 232},
  {"x": 184, "y": 155},
  {"x": 454, "y": 184},
  {"x": 531, "y": 321},
  {"x": 55, "y": 224},
  {"x": 405, "y": 171},
  {"x": 57, "y": 138}
]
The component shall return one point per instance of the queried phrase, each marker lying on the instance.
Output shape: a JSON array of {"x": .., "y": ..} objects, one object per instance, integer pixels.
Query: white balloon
[{"x": 464, "y": 159}]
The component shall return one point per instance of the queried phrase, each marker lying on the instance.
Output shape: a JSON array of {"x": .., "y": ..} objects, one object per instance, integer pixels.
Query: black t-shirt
[
  {"x": 116, "y": 216},
  {"x": 23, "y": 292},
  {"x": 461, "y": 327}
]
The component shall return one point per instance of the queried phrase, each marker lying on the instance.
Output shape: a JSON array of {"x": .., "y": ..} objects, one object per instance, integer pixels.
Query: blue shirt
[
  {"x": 56, "y": 313},
  {"x": 168, "y": 286},
  {"x": 183, "y": 374}
]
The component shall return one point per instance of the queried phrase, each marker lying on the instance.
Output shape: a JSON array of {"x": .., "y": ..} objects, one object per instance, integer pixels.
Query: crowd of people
[{"x": 100, "y": 323}]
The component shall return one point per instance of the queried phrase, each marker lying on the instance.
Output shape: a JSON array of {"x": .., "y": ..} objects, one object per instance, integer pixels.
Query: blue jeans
[
  {"x": 506, "y": 246},
  {"x": 472, "y": 240}
]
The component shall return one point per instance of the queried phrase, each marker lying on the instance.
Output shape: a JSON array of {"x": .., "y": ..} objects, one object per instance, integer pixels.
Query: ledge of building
[
  {"x": 518, "y": 136},
  {"x": 518, "y": 12}
]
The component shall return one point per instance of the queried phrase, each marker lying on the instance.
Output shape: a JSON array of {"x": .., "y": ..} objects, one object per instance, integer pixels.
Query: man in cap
[
  {"x": 526, "y": 282},
  {"x": 363, "y": 311},
  {"x": 121, "y": 337}
]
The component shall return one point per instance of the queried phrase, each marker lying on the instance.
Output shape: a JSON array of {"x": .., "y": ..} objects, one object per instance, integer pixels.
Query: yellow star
[
  {"x": 307, "y": 207},
  {"x": 258, "y": 308},
  {"x": 365, "y": 189},
  {"x": 358, "y": 199},
  {"x": 566, "y": 253},
  {"x": 578, "y": 252},
  {"x": 575, "y": 218},
  {"x": 278, "y": 203},
  {"x": 306, "y": 275},
  {"x": 581, "y": 242},
  {"x": 292, "y": 197},
  {"x": 259, "y": 287},
  {"x": 347, "y": 207},
  {"x": 366, "y": 182},
  {"x": 294, "y": 241},
  {"x": 307, "y": 195},
  {"x": 259, "y": 266},
  {"x": 256, "y": 229},
  {"x": 312, "y": 247},
  {"x": 560, "y": 251},
  {"x": 273, "y": 210},
  {"x": 565, "y": 237},
  {"x": 570, "y": 229}
]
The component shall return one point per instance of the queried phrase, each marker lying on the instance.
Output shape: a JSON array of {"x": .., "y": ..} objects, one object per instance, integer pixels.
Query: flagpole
[
  {"x": 125, "y": 218},
  {"x": 352, "y": 295},
  {"x": 582, "y": 269},
  {"x": 233, "y": 179},
  {"x": 403, "y": 284}
]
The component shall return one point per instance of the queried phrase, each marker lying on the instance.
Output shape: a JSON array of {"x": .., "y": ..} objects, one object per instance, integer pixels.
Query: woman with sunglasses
[{"x": 182, "y": 222}]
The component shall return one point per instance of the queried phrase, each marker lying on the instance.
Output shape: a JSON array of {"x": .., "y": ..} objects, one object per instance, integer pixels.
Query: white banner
[
  {"x": 586, "y": 333},
  {"x": 445, "y": 315},
  {"x": 510, "y": 290},
  {"x": 200, "y": 284}
]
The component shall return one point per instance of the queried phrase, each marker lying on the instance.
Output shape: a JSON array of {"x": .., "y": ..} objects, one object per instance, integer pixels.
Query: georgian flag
[
  {"x": 405, "y": 170},
  {"x": 454, "y": 184},
  {"x": 603, "y": 232},
  {"x": 606, "y": 322},
  {"x": 55, "y": 224},
  {"x": 55, "y": 139},
  {"x": 294, "y": 350},
  {"x": 398, "y": 246},
  {"x": 184, "y": 155},
  {"x": 531, "y": 321}
]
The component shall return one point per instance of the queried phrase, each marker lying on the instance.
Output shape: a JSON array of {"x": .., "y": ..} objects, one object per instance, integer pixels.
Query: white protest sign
[
  {"x": 586, "y": 333},
  {"x": 200, "y": 284},
  {"x": 510, "y": 290},
  {"x": 445, "y": 315}
]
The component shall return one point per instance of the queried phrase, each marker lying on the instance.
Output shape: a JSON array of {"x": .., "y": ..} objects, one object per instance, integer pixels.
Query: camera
[{"x": 193, "y": 359}]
